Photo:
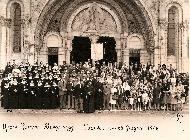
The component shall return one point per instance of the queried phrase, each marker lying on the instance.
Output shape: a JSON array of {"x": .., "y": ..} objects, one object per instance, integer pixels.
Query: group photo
[
  {"x": 94, "y": 56},
  {"x": 87, "y": 87},
  {"x": 94, "y": 69}
]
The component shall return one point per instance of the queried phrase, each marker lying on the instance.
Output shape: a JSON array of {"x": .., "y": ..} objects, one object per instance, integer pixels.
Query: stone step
[{"x": 37, "y": 111}]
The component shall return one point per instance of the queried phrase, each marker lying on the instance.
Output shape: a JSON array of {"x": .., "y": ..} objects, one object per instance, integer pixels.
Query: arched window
[
  {"x": 16, "y": 27},
  {"x": 172, "y": 31}
]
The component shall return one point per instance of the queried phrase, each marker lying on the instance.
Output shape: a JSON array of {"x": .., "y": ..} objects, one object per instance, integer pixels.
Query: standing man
[
  {"x": 79, "y": 93},
  {"x": 106, "y": 91},
  {"x": 62, "y": 93}
]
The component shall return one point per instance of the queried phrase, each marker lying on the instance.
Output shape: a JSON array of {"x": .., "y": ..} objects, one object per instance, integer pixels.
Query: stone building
[{"x": 143, "y": 31}]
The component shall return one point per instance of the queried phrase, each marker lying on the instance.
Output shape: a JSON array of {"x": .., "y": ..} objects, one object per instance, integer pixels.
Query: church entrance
[
  {"x": 134, "y": 56},
  {"x": 81, "y": 51},
  {"x": 52, "y": 56},
  {"x": 109, "y": 45}
]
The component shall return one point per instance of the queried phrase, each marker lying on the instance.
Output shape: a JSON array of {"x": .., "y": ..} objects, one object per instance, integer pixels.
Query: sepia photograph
[{"x": 94, "y": 69}]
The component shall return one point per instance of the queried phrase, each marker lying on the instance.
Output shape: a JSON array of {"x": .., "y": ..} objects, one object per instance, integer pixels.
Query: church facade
[{"x": 145, "y": 31}]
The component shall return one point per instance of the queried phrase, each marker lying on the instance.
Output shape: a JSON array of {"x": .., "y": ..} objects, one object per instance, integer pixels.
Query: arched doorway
[
  {"x": 81, "y": 51},
  {"x": 109, "y": 45},
  {"x": 52, "y": 55},
  {"x": 95, "y": 18}
]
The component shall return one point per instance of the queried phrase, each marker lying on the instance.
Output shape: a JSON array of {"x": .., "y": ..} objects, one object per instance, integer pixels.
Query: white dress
[{"x": 113, "y": 90}]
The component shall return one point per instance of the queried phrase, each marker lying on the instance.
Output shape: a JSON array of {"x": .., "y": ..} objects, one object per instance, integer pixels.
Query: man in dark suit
[
  {"x": 62, "y": 93},
  {"x": 79, "y": 96},
  {"x": 98, "y": 94},
  {"x": 89, "y": 103},
  {"x": 54, "y": 95}
]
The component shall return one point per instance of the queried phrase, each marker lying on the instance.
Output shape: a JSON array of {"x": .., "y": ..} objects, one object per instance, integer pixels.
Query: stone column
[
  {"x": 185, "y": 48},
  {"x": 93, "y": 39},
  {"x": 179, "y": 49},
  {"x": 68, "y": 49},
  {"x": 163, "y": 41},
  {"x": 156, "y": 56},
  {"x": 61, "y": 55},
  {"x": 125, "y": 50},
  {"x": 118, "y": 49},
  {"x": 43, "y": 54},
  {"x": 8, "y": 39},
  {"x": 152, "y": 58},
  {"x": 126, "y": 56},
  {"x": 144, "y": 57},
  {"x": 2, "y": 43},
  {"x": 36, "y": 53}
]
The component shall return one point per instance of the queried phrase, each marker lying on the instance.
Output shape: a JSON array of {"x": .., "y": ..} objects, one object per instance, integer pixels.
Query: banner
[{"x": 97, "y": 51}]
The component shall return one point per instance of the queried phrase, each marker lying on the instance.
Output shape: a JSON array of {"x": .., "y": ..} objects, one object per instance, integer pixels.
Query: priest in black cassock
[
  {"x": 79, "y": 96},
  {"x": 89, "y": 100}
]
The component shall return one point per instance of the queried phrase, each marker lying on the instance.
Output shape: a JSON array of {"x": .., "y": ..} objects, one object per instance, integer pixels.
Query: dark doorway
[
  {"x": 109, "y": 45},
  {"x": 134, "y": 57},
  {"x": 81, "y": 51},
  {"x": 52, "y": 56},
  {"x": 134, "y": 60}
]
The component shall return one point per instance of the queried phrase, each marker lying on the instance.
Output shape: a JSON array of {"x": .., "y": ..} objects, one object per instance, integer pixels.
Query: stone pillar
[
  {"x": 68, "y": 49},
  {"x": 185, "y": 48},
  {"x": 63, "y": 49},
  {"x": 93, "y": 39},
  {"x": 36, "y": 53},
  {"x": 163, "y": 41},
  {"x": 118, "y": 49},
  {"x": 43, "y": 54},
  {"x": 144, "y": 57},
  {"x": 31, "y": 54},
  {"x": 152, "y": 58},
  {"x": 61, "y": 55},
  {"x": 2, "y": 43},
  {"x": 126, "y": 56},
  {"x": 156, "y": 56},
  {"x": 8, "y": 40}
]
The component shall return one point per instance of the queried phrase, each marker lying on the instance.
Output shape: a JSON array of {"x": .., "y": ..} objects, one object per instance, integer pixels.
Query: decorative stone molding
[
  {"x": 69, "y": 7},
  {"x": 94, "y": 18},
  {"x": 8, "y": 22},
  {"x": 5, "y": 21},
  {"x": 163, "y": 24},
  {"x": 121, "y": 8},
  {"x": 26, "y": 21},
  {"x": 2, "y": 21}
]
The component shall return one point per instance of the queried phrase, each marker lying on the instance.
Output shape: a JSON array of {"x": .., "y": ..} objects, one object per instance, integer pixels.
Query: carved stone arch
[
  {"x": 114, "y": 18},
  {"x": 179, "y": 8},
  {"x": 135, "y": 37},
  {"x": 150, "y": 42},
  {"x": 146, "y": 12},
  {"x": 117, "y": 6},
  {"x": 109, "y": 5},
  {"x": 17, "y": 52},
  {"x": 176, "y": 56},
  {"x": 53, "y": 37},
  {"x": 53, "y": 5},
  {"x": 8, "y": 8},
  {"x": 144, "y": 20}
]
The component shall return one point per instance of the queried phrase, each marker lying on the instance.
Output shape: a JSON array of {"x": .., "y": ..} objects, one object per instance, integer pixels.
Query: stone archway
[
  {"x": 58, "y": 15},
  {"x": 92, "y": 20}
]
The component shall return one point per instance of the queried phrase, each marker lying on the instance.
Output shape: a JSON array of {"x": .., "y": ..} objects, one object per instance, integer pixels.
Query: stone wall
[{"x": 156, "y": 10}]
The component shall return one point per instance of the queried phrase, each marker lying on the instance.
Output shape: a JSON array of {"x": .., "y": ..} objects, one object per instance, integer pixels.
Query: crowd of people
[{"x": 86, "y": 87}]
